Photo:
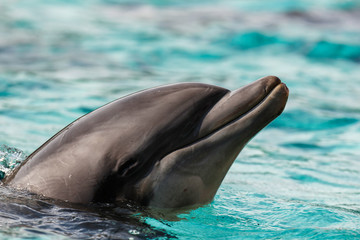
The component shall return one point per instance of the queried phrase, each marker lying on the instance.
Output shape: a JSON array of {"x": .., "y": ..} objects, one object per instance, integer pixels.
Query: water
[{"x": 297, "y": 179}]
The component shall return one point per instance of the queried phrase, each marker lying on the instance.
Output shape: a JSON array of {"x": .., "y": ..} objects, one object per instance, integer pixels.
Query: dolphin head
[
  {"x": 166, "y": 147},
  {"x": 191, "y": 175}
]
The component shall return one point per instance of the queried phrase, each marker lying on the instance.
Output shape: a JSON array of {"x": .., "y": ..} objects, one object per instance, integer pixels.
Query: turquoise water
[{"x": 297, "y": 179}]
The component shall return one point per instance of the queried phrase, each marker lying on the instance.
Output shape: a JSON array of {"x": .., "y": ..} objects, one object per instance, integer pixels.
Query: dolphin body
[{"x": 166, "y": 147}]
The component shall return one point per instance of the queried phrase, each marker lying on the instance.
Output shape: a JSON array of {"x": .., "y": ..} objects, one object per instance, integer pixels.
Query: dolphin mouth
[{"x": 267, "y": 95}]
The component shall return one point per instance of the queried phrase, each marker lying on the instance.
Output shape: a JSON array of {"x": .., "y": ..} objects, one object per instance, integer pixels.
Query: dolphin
[{"x": 165, "y": 147}]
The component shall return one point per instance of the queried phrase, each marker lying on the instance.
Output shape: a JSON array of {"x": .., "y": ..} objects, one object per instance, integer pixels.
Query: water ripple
[{"x": 298, "y": 178}]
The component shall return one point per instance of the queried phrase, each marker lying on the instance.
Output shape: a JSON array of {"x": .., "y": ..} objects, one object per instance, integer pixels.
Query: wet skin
[{"x": 166, "y": 147}]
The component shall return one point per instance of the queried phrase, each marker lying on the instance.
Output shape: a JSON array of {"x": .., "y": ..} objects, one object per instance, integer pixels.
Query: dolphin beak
[
  {"x": 237, "y": 118},
  {"x": 239, "y": 102}
]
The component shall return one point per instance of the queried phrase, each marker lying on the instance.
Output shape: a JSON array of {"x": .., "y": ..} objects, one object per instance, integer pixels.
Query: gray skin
[{"x": 166, "y": 147}]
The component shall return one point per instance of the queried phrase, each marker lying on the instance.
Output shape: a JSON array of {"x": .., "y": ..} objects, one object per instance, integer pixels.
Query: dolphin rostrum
[{"x": 166, "y": 147}]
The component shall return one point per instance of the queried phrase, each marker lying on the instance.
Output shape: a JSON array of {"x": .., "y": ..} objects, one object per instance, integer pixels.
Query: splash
[{"x": 10, "y": 158}]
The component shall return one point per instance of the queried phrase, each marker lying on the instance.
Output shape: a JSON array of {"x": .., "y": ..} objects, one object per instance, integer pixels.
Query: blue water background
[{"x": 297, "y": 179}]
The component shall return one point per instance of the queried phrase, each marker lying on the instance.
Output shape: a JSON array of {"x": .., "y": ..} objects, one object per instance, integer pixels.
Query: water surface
[{"x": 298, "y": 178}]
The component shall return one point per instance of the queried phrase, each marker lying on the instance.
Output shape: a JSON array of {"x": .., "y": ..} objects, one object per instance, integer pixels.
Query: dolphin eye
[{"x": 128, "y": 168}]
